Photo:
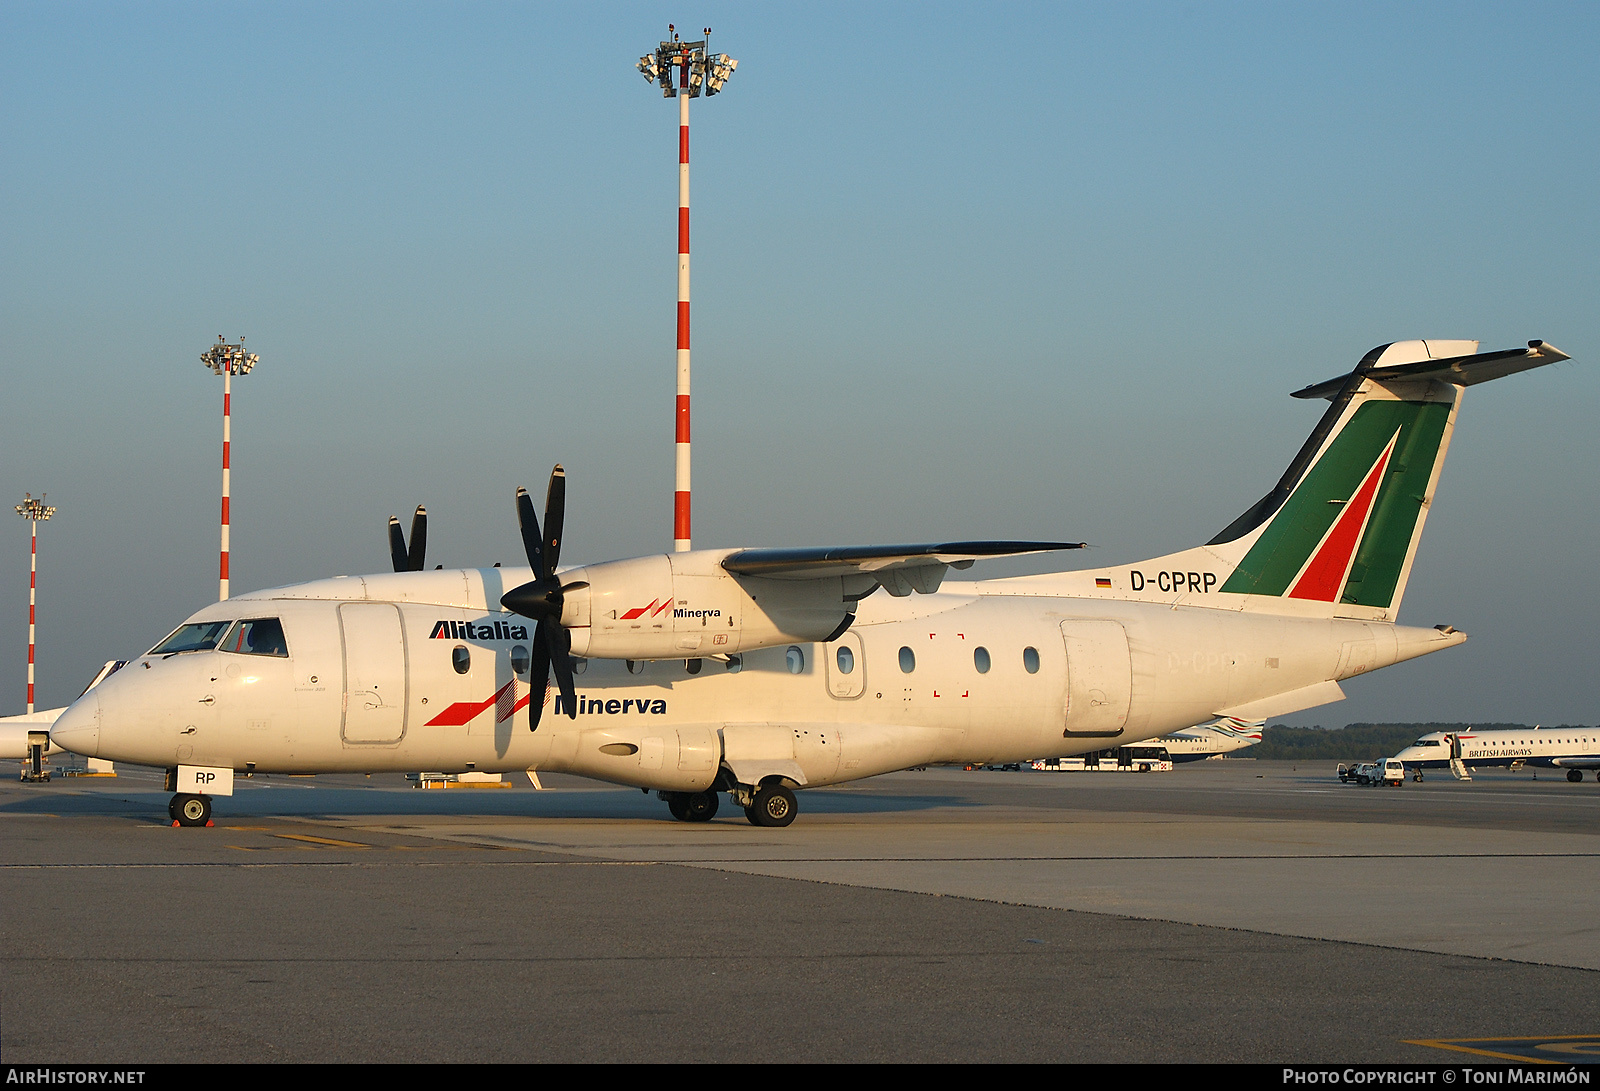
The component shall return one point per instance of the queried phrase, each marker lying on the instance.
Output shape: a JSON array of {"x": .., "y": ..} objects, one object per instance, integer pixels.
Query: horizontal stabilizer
[
  {"x": 1322, "y": 693},
  {"x": 1469, "y": 370}
]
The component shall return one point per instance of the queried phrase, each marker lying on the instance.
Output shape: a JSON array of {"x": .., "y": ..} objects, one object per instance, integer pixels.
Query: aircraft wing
[
  {"x": 1479, "y": 367},
  {"x": 899, "y": 569}
]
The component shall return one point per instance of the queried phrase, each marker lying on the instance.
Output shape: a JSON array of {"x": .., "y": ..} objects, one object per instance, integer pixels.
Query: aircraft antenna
[
  {"x": 35, "y": 512},
  {"x": 699, "y": 73},
  {"x": 227, "y": 360}
]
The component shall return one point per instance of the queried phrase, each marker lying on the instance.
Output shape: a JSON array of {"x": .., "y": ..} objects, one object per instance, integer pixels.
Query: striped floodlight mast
[
  {"x": 699, "y": 73},
  {"x": 227, "y": 360},
  {"x": 35, "y": 512}
]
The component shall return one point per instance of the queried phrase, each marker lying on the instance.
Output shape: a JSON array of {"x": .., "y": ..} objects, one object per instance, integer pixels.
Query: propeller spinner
[{"x": 541, "y": 600}]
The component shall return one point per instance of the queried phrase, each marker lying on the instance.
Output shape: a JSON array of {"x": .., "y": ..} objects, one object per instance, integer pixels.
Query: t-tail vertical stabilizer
[{"x": 1337, "y": 535}]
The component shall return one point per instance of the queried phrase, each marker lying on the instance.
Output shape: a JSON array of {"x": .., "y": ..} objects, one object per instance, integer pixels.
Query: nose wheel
[{"x": 190, "y": 810}]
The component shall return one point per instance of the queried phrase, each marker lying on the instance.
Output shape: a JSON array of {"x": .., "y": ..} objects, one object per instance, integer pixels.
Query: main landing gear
[
  {"x": 1575, "y": 775},
  {"x": 190, "y": 810},
  {"x": 691, "y": 806},
  {"x": 771, "y": 805}
]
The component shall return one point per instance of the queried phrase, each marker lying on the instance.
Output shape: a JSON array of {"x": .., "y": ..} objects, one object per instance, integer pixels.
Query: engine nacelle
[{"x": 686, "y": 606}]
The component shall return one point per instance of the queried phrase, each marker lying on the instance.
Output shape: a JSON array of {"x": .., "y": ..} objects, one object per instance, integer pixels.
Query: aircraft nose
[{"x": 78, "y": 728}]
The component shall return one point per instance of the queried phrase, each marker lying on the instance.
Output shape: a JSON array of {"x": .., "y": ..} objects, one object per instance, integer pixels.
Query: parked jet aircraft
[
  {"x": 756, "y": 672},
  {"x": 1208, "y": 740},
  {"x": 1571, "y": 748}
]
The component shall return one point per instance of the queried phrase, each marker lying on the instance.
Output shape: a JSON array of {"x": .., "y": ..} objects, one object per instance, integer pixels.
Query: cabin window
[
  {"x": 908, "y": 660},
  {"x": 846, "y": 659},
  {"x": 796, "y": 659},
  {"x": 521, "y": 660},
  {"x": 461, "y": 659},
  {"x": 257, "y": 636},
  {"x": 980, "y": 659},
  {"x": 198, "y": 637},
  {"x": 1030, "y": 660}
]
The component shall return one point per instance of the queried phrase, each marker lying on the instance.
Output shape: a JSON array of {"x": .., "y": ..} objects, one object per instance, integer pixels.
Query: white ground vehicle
[{"x": 1390, "y": 771}]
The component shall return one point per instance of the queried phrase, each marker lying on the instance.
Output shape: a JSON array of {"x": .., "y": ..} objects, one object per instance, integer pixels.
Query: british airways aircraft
[
  {"x": 757, "y": 673},
  {"x": 1571, "y": 748}
]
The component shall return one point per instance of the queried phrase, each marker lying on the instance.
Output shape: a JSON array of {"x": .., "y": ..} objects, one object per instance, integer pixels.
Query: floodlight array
[
  {"x": 34, "y": 507},
  {"x": 233, "y": 359},
  {"x": 699, "y": 72}
]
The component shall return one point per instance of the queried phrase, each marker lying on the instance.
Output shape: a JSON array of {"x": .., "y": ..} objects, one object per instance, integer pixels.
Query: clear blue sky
[{"x": 960, "y": 271}]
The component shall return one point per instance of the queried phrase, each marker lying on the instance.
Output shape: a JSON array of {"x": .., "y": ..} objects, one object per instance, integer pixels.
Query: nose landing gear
[{"x": 190, "y": 810}]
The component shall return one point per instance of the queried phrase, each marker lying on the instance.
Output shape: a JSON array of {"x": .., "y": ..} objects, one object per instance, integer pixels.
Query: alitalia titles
[{"x": 466, "y": 630}]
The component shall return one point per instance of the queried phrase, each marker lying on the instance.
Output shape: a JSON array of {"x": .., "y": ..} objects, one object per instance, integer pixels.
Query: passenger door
[
  {"x": 1099, "y": 678},
  {"x": 374, "y": 673}
]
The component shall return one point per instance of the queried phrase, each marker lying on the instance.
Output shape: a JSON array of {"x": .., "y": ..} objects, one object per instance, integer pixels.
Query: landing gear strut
[{"x": 190, "y": 810}]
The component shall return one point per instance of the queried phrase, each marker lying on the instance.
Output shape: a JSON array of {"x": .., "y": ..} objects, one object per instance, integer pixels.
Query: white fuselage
[
  {"x": 1561, "y": 747},
  {"x": 1200, "y": 743},
  {"x": 373, "y": 681}
]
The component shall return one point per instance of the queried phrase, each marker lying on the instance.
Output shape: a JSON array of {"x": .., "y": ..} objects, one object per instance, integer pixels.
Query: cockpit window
[
  {"x": 1426, "y": 742},
  {"x": 257, "y": 636},
  {"x": 201, "y": 636}
]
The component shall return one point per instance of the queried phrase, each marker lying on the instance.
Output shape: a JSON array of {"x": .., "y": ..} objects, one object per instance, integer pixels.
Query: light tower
[
  {"x": 227, "y": 360},
  {"x": 699, "y": 73},
  {"x": 35, "y": 512}
]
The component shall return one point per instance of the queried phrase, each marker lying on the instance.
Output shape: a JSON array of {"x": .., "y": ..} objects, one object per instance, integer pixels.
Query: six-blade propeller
[{"x": 541, "y": 600}]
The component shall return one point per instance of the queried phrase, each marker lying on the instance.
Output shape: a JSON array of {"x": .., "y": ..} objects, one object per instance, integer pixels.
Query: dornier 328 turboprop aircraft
[{"x": 757, "y": 672}]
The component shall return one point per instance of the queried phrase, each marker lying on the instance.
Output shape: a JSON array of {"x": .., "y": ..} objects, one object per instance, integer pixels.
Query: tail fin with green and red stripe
[{"x": 1341, "y": 526}]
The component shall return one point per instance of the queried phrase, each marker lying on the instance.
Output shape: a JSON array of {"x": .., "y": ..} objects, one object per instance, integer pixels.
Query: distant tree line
[{"x": 1354, "y": 742}]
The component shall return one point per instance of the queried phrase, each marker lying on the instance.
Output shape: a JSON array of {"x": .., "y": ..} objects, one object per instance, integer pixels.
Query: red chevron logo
[
  {"x": 656, "y": 608},
  {"x": 504, "y": 701}
]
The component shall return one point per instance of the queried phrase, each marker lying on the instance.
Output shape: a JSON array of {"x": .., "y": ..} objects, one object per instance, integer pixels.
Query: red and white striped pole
[
  {"x": 699, "y": 72},
  {"x": 33, "y": 604},
  {"x": 35, "y": 512},
  {"x": 227, "y": 443},
  {"x": 680, "y": 495},
  {"x": 227, "y": 360}
]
